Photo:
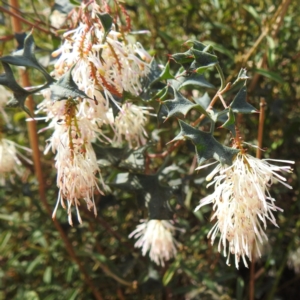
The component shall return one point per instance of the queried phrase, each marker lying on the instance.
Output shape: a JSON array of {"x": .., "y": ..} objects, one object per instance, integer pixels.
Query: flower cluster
[
  {"x": 156, "y": 236},
  {"x": 242, "y": 204},
  {"x": 9, "y": 155},
  {"x": 105, "y": 64},
  {"x": 4, "y": 95},
  {"x": 294, "y": 260},
  {"x": 10, "y": 159}
]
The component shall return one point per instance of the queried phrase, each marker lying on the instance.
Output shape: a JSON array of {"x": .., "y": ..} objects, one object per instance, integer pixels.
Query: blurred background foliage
[{"x": 37, "y": 261}]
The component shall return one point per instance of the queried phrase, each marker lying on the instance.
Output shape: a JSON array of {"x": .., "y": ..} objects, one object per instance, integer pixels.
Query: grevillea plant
[{"x": 98, "y": 99}]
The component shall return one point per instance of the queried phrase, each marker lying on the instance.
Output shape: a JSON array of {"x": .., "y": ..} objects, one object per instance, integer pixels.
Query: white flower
[
  {"x": 76, "y": 161},
  {"x": 109, "y": 62},
  {"x": 4, "y": 96},
  {"x": 9, "y": 160},
  {"x": 130, "y": 123},
  {"x": 294, "y": 260},
  {"x": 156, "y": 236},
  {"x": 243, "y": 204}
]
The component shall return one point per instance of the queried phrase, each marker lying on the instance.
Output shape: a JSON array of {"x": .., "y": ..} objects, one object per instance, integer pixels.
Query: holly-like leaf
[
  {"x": 106, "y": 21},
  {"x": 179, "y": 105},
  {"x": 26, "y": 58},
  {"x": 109, "y": 156},
  {"x": 150, "y": 84},
  {"x": 204, "y": 59},
  {"x": 240, "y": 104},
  {"x": 204, "y": 101},
  {"x": 196, "y": 45},
  {"x": 19, "y": 94},
  {"x": 135, "y": 159},
  {"x": 193, "y": 79},
  {"x": 162, "y": 113},
  {"x": 150, "y": 193},
  {"x": 183, "y": 58},
  {"x": 230, "y": 122},
  {"x": 206, "y": 145},
  {"x": 66, "y": 88},
  {"x": 166, "y": 74},
  {"x": 162, "y": 93}
]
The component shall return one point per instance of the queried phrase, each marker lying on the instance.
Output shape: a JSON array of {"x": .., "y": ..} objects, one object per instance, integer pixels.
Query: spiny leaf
[
  {"x": 230, "y": 122},
  {"x": 206, "y": 145},
  {"x": 150, "y": 84},
  {"x": 106, "y": 21},
  {"x": 196, "y": 45},
  {"x": 183, "y": 58},
  {"x": 162, "y": 113},
  {"x": 19, "y": 94},
  {"x": 66, "y": 88},
  {"x": 179, "y": 105},
  {"x": 26, "y": 58},
  {"x": 135, "y": 159},
  {"x": 165, "y": 74},
  {"x": 150, "y": 193},
  {"x": 241, "y": 76},
  {"x": 192, "y": 79},
  {"x": 204, "y": 101},
  {"x": 204, "y": 59},
  {"x": 109, "y": 156},
  {"x": 162, "y": 93},
  {"x": 240, "y": 104}
]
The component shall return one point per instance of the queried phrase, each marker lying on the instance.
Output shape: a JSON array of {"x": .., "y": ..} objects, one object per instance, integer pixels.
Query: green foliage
[{"x": 34, "y": 261}]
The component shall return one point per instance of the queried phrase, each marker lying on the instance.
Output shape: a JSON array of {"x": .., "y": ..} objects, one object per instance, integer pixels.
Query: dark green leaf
[
  {"x": 183, "y": 58},
  {"x": 106, "y": 21},
  {"x": 150, "y": 193},
  {"x": 179, "y": 105},
  {"x": 19, "y": 94},
  {"x": 196, "y": 45},
  {"x": 162, "y": 113},
  {"x": 240, "y": 104},
  {"x": 110, "y": 156},
  {"x": 194, "y": 79},
  {"x": 150, "y": 84},
  {"x": 26, "y": 58},
  {"x": 230, "y": 122},
  {"x": 165, "y": 74},
  {"x": 203, "y": 101},
  {"x": 135, "y": 159},
  {"x": 204, "y": 59},
  {"x": 206, "y": 145},
  {"x": 66, "y": 88}
]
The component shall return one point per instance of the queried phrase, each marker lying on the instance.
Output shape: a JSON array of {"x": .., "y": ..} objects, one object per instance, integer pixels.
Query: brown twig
[
  {"x": 260, "y": 127},
  {"x": 276, "y": 21},
  {"x": 107, "y": 271},
  {"x": 19, "y": 18},
  {"x": 213, "y": 102},
  {"x": 166, "y": 152},
  {"x": 258, "y": 155},
  {"x": 34, "y": 143}
]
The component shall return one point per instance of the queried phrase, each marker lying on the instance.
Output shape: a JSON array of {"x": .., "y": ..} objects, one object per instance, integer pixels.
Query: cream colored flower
[
  {"x": 242, "y": 203},
  {"x": 157, "y": 238}
]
